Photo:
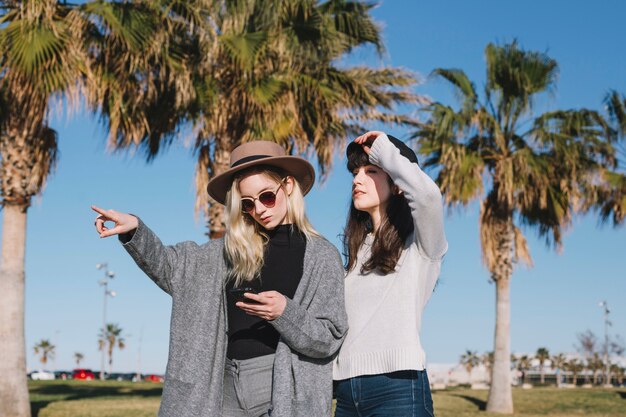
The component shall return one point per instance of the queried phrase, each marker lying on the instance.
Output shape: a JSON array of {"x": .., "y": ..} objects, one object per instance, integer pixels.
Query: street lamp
[
  {"x": 104, "y": 282},
  {"x": 607, "y": 323}
]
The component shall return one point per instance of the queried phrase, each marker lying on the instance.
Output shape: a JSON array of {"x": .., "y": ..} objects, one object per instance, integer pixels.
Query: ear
[{"x": 289, "y": 185}]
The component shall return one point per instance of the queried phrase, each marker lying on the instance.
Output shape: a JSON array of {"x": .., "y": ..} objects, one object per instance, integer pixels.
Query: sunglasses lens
[
  {"x": 247, "y": 205},
  {"x": 268, "y": 199}
]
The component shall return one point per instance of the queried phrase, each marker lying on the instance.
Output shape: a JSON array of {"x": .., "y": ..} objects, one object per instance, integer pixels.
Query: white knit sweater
[{"x": 385, "y": 311}]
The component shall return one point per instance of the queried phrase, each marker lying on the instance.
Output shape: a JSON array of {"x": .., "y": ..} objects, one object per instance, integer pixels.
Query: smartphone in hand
[{"x": 237, "y": 293}]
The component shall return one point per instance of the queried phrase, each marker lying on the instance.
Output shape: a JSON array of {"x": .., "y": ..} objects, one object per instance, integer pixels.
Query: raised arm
[{"x": 421, "y": 192}]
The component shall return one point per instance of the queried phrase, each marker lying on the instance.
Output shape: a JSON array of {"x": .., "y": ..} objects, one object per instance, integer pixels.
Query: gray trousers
[{"x": 248, "y": 387}]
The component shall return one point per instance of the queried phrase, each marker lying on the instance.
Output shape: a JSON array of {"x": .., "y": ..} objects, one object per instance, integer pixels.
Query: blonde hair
[{"x": 245, "y": 239}]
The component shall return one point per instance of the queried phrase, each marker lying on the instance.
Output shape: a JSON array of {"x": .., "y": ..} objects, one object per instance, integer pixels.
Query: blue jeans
[{"x": 396, "y": 394}]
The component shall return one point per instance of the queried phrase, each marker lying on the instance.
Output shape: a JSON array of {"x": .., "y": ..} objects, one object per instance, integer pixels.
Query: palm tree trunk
[
  {"x": 221, "y": 163},
  {"x": 14, "y": 400},
  {"x": 542, "y": 376},
  {"x": 500, "y": 395},
  {"x": 110, "y": 361},
  {"x": 502, "y": 232}
]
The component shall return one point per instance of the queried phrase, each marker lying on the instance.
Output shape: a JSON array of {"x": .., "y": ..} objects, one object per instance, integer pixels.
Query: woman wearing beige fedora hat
[{"x": 257, "y": 316}]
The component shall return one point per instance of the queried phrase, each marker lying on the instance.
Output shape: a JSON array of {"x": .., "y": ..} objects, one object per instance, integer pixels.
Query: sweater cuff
[
  {"x": 126, "y": 238},
  {"x": 378, "y": 148},
  {"x": 289, "y": 316}
]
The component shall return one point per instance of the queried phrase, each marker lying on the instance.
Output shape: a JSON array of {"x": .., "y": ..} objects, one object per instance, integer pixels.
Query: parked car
[
  {"x": 42, "y": 375},
  {"x": 63, "y": 375},
  {"x": 153, "y": 378},
  {"x": 83, "y": 374},
  {"x": 126, "y": 376}
]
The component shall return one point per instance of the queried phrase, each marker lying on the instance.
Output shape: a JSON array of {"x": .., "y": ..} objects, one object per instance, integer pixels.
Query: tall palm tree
[
  {"x": 276, "y": 78},
  {"x": 48, "y": 52},
  {"x": 524, "y": 169},
  {"x": 109, "y": 339},
  {"x": 78, "y": 358},
  {"x": 558, "y": 363},
  {"x": 542, "y": 356},
  {"x": 469, "y": 360},
  {"x": 45, "y": 350},
  {"x": 40, "y": 57},
  {"x": 269, "y": 70}
]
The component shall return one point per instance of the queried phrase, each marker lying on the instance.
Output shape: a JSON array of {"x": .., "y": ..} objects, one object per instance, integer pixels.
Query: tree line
[
  {"x": 589, "y": 366},
  {"x": 110, "y": 338}
]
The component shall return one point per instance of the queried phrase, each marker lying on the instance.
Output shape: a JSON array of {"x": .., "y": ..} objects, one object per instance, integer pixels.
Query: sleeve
[
  {"x": 421, "y": 192},
  {"x": 158, "y": 261},
  {"x": 318, "y": 330}
]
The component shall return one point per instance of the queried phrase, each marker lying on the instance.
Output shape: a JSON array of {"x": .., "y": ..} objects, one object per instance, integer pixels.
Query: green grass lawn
[
  {"x": 127, "y": 399},
  {"x": 94, "y": 398}
]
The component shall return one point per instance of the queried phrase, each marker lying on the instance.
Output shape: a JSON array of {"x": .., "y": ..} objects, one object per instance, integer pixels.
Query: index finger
[
  {"x": 255, "y": 297},
  {"x": 98, "y": 210},
  {"x": 368, "y": 136}
]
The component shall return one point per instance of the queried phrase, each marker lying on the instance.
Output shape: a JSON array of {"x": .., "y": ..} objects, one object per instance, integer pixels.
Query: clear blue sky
[{"x": 551, "y": 302}]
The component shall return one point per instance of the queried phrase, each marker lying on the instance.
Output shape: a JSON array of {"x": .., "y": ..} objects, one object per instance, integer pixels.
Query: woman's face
[
  {"x": 371, "y": 188},
  {"x": 253, "y": 185}
]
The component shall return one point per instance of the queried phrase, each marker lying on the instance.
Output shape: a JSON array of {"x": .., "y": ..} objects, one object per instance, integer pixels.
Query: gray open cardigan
[{"x": 311, "y": 328}]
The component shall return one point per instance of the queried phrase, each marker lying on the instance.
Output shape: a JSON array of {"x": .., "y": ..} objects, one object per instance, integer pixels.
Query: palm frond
[
  {"x": 464, "y": 88},
  {"x": 129, "y": 24},
  {"x": 616, "y": 108},
  {"x": 244, "y": 48}
]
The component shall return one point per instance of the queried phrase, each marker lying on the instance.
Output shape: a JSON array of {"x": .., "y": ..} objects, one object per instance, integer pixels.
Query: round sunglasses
[{"x": 267, "y": 198}]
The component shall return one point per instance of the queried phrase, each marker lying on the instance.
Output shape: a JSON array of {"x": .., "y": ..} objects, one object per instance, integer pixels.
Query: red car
[
  {"x": 83, "y": 374},
  {"x": 153, "y": 378}
]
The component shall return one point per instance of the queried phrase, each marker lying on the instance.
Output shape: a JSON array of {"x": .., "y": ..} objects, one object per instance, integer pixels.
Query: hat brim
[
  {"x": 405, "y": 150},
  {"x": 353, "y": 147},
  {"x": 298, "y": 167}
]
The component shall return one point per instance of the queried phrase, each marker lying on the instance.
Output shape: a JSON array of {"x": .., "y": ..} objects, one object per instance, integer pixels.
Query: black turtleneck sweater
[{"x": 251, "y": 336}]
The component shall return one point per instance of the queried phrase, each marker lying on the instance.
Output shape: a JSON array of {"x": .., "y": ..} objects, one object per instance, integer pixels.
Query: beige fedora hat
[{"x": 261, "y": 152}]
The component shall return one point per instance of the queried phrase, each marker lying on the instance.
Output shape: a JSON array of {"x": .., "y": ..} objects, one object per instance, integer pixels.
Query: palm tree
[
  {"x": 542, "y": 356},
  {"x": 558, "y": 362},
  {"x": 575, "y": 367},
  {"x": 525, "y": 170},
  {"x": 587, "y": 345},
  {"x": 523, "y": 364},
  {"x": 595, "y": 364},
  {"x": 487, "y": 360},
  {"x": 51, "y": 54},
  {"x": 45, "y": 350},
  {"x": 469, "y": 360},
  {"x": 40, "y": 57},
  {"x": 78, "y": 357},
  {"x": 618, "y": 372},
  {"x": 272, "y": 74},
  {"x": 276, "y": 78},
  {"x": 109, "y": 339}
]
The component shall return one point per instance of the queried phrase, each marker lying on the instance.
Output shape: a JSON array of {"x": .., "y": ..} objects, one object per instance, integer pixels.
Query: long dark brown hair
[{"x": 395, "y": 227}]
